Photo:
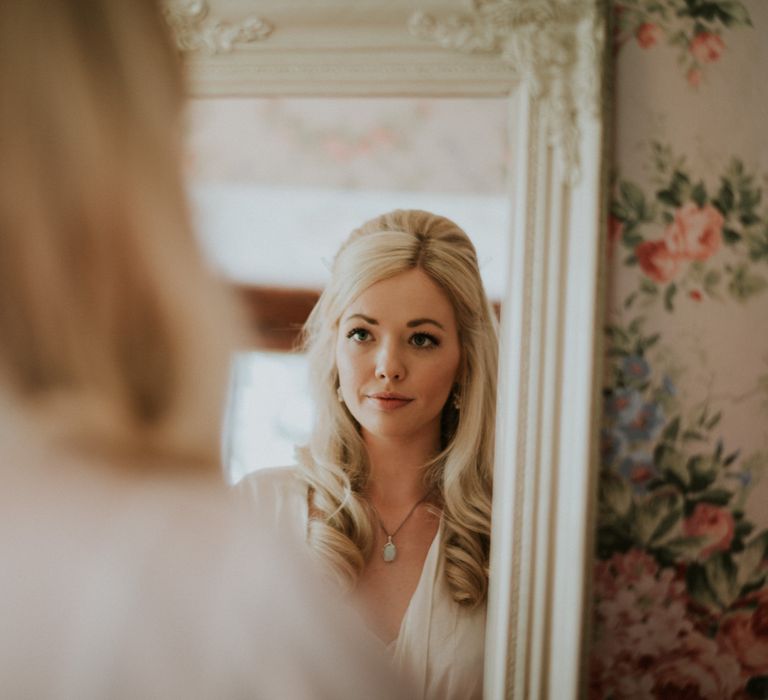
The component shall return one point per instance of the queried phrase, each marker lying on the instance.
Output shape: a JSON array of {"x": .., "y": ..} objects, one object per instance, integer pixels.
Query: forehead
[{"x": 403, "y": 297}]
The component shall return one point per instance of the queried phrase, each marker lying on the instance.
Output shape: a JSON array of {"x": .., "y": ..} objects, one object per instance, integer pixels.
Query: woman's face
[{"x": 397, "y": 353}]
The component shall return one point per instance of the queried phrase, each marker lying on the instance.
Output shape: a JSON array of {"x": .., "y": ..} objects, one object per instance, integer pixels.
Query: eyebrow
[
  {"x": 422, "y": 321},
  {"x": 411, "y": 324}
]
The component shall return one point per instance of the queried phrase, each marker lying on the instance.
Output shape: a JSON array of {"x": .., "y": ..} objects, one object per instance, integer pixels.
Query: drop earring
[
  {"x": 339, "y": 395},
  {"x": 455, "y": 400}
]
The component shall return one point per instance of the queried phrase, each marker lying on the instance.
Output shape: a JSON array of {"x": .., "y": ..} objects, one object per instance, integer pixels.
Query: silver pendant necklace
[{"x": 389, "y": 551}]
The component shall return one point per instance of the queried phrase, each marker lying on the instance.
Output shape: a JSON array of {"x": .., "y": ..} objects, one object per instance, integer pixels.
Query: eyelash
[{"x": 433, "y": 341}]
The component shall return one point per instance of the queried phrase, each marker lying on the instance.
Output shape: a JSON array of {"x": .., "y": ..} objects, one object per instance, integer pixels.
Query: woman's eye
[
  {"x": 359, "y": 334},
  {"x": 424, "y": 340}
]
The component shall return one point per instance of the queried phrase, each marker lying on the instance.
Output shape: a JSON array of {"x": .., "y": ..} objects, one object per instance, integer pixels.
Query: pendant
[{"x": 390, "y": 551}]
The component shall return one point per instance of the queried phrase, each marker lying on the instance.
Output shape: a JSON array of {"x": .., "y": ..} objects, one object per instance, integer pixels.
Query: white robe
[
  {"x": 440, "y": 643},
  {"x": 123, "y": 586}
]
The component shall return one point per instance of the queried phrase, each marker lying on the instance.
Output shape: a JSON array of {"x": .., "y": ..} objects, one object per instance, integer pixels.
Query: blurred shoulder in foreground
[{"x": 123, "y": 587}]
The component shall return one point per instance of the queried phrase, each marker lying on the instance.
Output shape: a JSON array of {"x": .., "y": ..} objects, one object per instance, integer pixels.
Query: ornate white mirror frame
[{"x": 547, "y": 56}]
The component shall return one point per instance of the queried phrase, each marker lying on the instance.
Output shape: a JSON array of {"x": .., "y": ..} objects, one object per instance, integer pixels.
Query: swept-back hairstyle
[
  {"x": 111, "y": 326},
  {"x": 335, "y": 463}
]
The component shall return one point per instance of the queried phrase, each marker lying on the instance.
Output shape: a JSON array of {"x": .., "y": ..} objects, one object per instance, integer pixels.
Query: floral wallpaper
[{"x": 680, "y": 583}]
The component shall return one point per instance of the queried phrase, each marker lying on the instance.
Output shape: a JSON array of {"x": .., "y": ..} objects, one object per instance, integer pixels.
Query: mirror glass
[{"x": 278, "y": 183}]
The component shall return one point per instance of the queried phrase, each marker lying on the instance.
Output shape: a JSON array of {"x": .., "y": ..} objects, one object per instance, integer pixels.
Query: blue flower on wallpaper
[
  {"x": 635, "y": 367},
  {"x": 624, "y": 405},
  {"x": 644, "y": 424},
  {"x": 638, "y": 469}
]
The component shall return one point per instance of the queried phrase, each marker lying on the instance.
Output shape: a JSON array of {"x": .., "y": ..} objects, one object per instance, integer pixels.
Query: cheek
[
  {"x": 444, "y": 376},
  {"x": 346, "y": 364}
]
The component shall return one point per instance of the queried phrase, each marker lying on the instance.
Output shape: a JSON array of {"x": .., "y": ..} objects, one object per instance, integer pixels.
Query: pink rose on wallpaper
[
  {"x": 696, "y": 233},
  {"x": 696, "y": 669},
  {"x": 648, "y": 35},
  {"x": 716, "y": 524},
  {"x": 707, "y": 47},
  {"x": 744, "y": 634},
  {"x": 645, "y": 645},
  {"x": 657, "y": 261},
  {"x": 623, "y": 570}
]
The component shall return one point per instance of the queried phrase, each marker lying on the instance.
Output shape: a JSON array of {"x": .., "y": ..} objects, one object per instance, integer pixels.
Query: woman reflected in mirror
[{"x": 393, "y": 491}]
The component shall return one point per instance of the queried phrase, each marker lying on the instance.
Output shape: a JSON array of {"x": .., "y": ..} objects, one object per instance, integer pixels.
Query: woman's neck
[{"x": 397, "y": 468}]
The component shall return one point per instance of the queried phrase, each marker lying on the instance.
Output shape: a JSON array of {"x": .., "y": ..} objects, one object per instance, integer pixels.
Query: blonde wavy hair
[
  {"x": 335, "y": 463},
  {"x": 113, "y": 330}
]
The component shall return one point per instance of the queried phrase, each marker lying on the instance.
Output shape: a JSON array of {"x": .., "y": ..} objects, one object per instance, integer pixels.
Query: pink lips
[{"x": 388, "y": 400}]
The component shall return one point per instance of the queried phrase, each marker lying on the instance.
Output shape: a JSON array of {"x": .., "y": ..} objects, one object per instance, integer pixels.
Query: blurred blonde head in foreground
[
  {"x": 120, "y": 578},
  {"x": 112, "y": 330}
]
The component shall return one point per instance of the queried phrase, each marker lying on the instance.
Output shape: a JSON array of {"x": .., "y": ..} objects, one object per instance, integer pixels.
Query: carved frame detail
[
  {"x": 552, "y": 45},
  {"x": 194, "y": 29}
]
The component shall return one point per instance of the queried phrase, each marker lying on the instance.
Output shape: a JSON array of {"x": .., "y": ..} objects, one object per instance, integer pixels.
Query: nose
[{"x": 389, "y": 363}]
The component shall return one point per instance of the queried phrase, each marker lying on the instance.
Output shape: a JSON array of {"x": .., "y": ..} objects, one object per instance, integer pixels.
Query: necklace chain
[{"x": 389, "y": 551}]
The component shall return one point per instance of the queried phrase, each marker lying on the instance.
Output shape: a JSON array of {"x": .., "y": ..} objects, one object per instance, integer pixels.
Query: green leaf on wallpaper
[
  {"x": 749, "y": 196},
  {"x": 731, "y": 458},
  {"x": 679, "y": 39},
  {"x": 612, "y": 539},
  {"x": 757, "y": 244},
  {"x": 699, "y": 194},
  {"x": 711, "y": 280},
  {"x": 648, "y": 286},
  {"x": 715, "y": 497},
  {"x": 669, "y": 296},
  {"x": 671, "y": 463},
  {"x": 750, "y": 561},
  {"x": 615, "y": 495},
  {"x": 681, "y": 183},
  {"x": 722, "y": 576},
  {"x": 745, "y": 284},
  {"x": 742, "y": 529},
  {"x": 619, "y": 211},
  {"x": 669, "y": 197},
  {"x": 725, "y": 198},
  {"x": 736, "y": 11},
  {"x": 719, "y": 449},
  {"x": 630, "y": 260},
  {"x": 749, "y": 219},
  {"x": 630, "y": 300},
  {"x": 616, "y": 333},
  {"x": 633, "y": 197},
  {"x": 703, "y": 471},
  {"x": 648, "y": 342},
  {"x": 631, "y": 239},
  {"x": 656, "y": 515},
  {"x": 731, "y": 236},
  {"x": 671, "y": 430},
  {"x": 698, "y": 586},
  {"x": 713, "y": 421},
  {"x": 692, "y": 435},
  {"x": 682, "y": 548},
  {"x": 666, "y": 524}
]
